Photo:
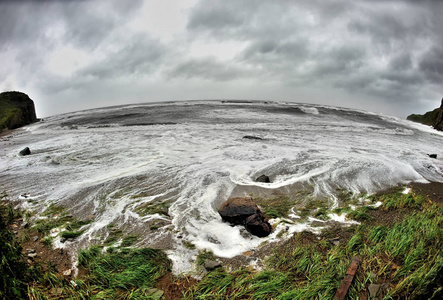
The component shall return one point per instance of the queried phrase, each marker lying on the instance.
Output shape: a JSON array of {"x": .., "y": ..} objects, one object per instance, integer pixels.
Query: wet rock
[
  {"x": 257, "y": 225},
  {"x": 57, "y": 291},
  {"x": 25, "y": 151},
  {"x": 244, "y": 211},
  {"x": 335, "y": 241},
  {"x": 237, "y": 210},
  {"x": 155, "y": 294},
  {"x": 432, "y": 155},
  {"x": 263, "y": 178},
  {"x": 373, "y": 290},
  {"x": 211, "y": 265},
  {"x": 251, "y": 137}
]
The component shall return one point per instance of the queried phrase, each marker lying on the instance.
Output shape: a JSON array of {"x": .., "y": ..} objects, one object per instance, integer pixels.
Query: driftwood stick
[{"x": 346, "y": 283}]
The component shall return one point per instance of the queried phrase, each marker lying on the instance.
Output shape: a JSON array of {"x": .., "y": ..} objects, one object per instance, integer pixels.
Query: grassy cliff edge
[{"x": 16, "y": 110}]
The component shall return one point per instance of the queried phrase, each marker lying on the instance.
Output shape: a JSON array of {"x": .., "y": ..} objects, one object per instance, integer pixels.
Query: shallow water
[{"x": 115, "y": 165}]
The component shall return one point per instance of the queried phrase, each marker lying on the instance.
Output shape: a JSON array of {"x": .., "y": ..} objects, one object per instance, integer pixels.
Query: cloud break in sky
[{"x": 383, "y": 56}]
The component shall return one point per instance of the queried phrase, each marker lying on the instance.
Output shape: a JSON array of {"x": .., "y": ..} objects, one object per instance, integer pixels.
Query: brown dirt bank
[{"x": 433, "y": 190}]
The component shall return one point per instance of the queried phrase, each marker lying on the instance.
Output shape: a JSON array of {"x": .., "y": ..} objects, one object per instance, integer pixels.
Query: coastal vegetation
[
  {"x": 16, "y": 110},
  {"x": 399, "y": 243},
  {"x": 432, "y": 118}
]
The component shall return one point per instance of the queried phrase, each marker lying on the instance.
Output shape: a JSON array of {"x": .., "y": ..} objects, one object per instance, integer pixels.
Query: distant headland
[
  {"x": 432, "y": 118},
  {"x": 16, "y": 110}
]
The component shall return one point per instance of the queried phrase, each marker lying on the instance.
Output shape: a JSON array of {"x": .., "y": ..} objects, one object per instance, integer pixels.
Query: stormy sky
[{"x": 383, "y": 56}]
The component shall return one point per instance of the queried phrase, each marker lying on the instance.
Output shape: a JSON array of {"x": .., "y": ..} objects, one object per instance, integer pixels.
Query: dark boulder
[
  {"x": 263, "y": 178},
  {"x": 211, "y": 265},
  {"x": 432, "y": 155},
  {"x": 251, "y": 137},
  {"x": 25, "y": 151},
  {"x": 236, "y": 210},
  {"x": 257, "y": 225},
  {"x": 244, "y": 211}
]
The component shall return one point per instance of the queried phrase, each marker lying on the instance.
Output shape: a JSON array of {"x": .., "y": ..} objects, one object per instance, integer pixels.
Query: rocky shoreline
[{"x": 37, "y": 251}]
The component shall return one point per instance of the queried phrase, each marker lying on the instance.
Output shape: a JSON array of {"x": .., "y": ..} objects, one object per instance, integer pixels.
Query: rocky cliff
[
  {"x": 432, "y": 118},
  {"x": 16, "y": 110}
]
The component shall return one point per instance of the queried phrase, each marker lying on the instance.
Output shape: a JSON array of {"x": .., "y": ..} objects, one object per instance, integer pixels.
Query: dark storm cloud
[
  {"x": 432, "y": 64},
  {"x": 138, "y": 56},
  {"x": 18, "y": 24},
  {"x": 375, "y": 48},
  {"x": 269, "y": 51},
  {"x": 84, "y": 23},
  {"x": 387, "y": 51},
  {"x": 32, "y": 29},
  {"x": 208, "y": 68}
]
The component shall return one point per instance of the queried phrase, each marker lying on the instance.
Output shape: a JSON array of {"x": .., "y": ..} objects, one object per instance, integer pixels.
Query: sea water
[{"x": 161, "y": 171}]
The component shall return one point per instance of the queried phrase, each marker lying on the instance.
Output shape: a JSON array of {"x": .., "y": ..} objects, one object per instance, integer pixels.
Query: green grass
[
  {"x": 188, "y": 245},
  {"x": 66, "y": 235},
  {"x": 8, "y": 114},
  {"x": 361, "y": 213},
  {"x": 123, "y": 274},
  {"x": 429, "y": 118},
  {"x": 399, "y": 200},
  {"x": 16, "y": 109},
  {"x": 56, "y": 217},
  {"x": 276, "y": 207},
  {"x": 114, "y": 235},
  {"x": 47, "y": 241},
  {"x": 407, "y": 256},
  {"x": 14, "y": 272},
  {"x": 129, "y": 240},
  {"x": 203, "y": 256},
  {"x": 156, "y": 207}
]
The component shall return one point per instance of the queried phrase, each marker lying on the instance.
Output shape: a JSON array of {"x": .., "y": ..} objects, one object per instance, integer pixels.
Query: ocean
[{"x": 160, "y": 171}]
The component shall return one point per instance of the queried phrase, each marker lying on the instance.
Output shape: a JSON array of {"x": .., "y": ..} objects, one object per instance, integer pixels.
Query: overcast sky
[{"x": 383, "y": 56}]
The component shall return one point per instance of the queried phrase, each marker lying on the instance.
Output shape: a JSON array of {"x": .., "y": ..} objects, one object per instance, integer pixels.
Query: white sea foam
[
  {"x": 309, "y": 110},
  {"x": 113, "y": 162}
]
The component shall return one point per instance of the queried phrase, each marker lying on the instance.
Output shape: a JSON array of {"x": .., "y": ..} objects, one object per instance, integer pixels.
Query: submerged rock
[
  {"x": 373, "y": 290},
  {"x": 237, "y": 210},
  {"x": 244, "y": 211},
  {"x": 263, "y": 178},
  {"x": 211, "y": 264},
  {"x": 251, "y": 137},
  {"x": 257, "y": 225},
  {"x": 25, "y": 151}
]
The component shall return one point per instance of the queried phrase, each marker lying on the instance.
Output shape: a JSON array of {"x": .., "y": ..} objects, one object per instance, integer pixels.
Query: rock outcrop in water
[
  {"x": 16, "y": 110},
  {"x": 432, "y": 118},
  {"x": 25, "y": 151},
  {"x": 263, "y": 178},
  {"x": 244, "y": 211}
]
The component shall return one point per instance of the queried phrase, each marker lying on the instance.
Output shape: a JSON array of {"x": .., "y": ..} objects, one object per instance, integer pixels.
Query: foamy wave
[{"x": 179, "y": 171}]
